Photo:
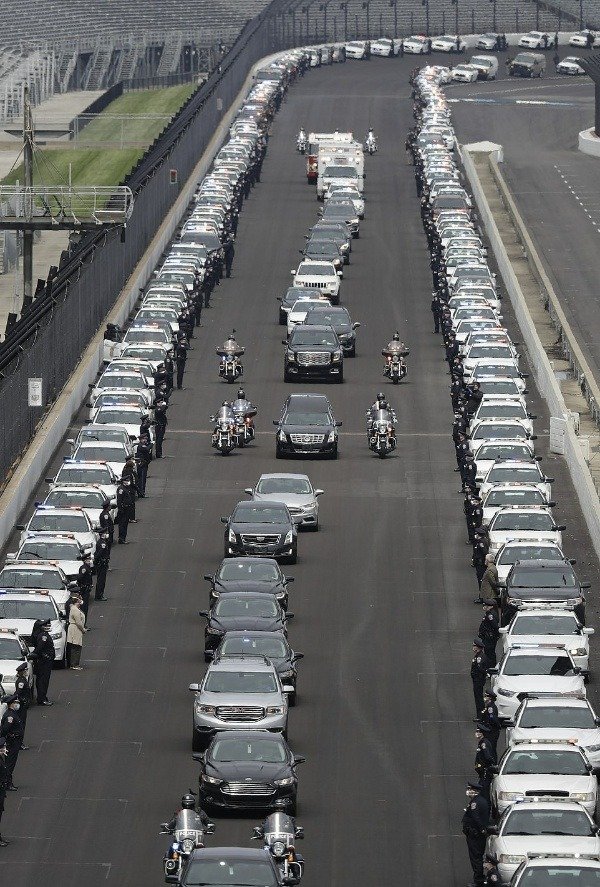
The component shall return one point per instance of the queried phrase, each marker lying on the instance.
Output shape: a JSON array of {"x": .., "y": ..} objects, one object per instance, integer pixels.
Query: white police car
[{"x": 533, "y": 669}]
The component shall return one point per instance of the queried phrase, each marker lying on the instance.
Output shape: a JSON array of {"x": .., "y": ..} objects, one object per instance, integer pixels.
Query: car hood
[
  {"x": 306, "y": 429},
  {"x": 289, "y": 499},
  {"x": 553, "y": 684},
  {"x": 556, "y": 593},
  {"x": 522, "y": 845},
  {"x": 23, "y": 627},
  {"x": 260, "y": 529},
  {"x": 249, "y": 585},
  {"x": 247, "y": 623},
  {"x": 249, "y": 771},
  {"x": 532, "y": 782},
  {"x": 329, "y": 348}
]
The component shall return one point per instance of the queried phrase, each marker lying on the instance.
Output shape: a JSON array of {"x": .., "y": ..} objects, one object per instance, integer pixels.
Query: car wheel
[
  {"x": 352, "y": 352},
  {"x": 293, "y": 558},
  {"x": 340, "y": 378},
  {"x": 292, "y": 699},
  {"x": 207, "y": 657},
  {"x": 278, "y": 453},
  {"x": 282, "y": 318},
  {"x": 198, "y": 743}
]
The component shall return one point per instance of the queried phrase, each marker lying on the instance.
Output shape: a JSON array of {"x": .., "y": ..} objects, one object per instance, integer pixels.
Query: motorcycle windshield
[
  {"x": 382, "y": 416},
  {"x": 188, "y": 821},
  {"x": 278, "y": 824}
]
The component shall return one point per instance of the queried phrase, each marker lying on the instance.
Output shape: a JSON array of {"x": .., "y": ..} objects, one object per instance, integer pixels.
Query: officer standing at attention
[
  {"x": 181, "y": 350},
  {"x": 474, "y": 825},
  {"x": 106, "y": 522},
  {"x": 11, "y": 728},
  {"x": 124, "y": 501},
  {"x": 489, "y": 631},
  {"x": 436, "y": 310},
  {"x": 3, "y": 783},
  {"x": 160, "y": 423},
  {"x": 143, "y": 457},
  {"x": 489, "y": 717},
  {"x": 479, "y": 667},
  {"x": 485, "y": 759},
  {"x": 23, "y": 691},
  {"x": 101, "y": 562},
  {"x": 85, "y": 580},
  {"x": 43, "y": 657}
]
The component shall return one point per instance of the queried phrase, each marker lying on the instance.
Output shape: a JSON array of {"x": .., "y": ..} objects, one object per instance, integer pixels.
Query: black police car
[
  {"x": 543, "y": 582},
  {"x": 307, "y": 427},
  {"x": 272, "y": 644},
  {"x": 241, "y": 611},
  {"x": 239, "y": 866},
  {"x": 259, "y": 574},
  {"x": 248, "y": 770},
  {"x": 263, "y": 529},
  {"x": 313, "y": 352}
]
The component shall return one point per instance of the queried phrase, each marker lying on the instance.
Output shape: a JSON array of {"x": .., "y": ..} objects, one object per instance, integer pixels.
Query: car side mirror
[
  {"x": 492, "y": 670},
  {"x": 199, "y": 756},
  {"x": 524, "y": 375},
  {"x": 48, "y": 480},
  {"x": 224, "y": 520},
  {"x": 560, "y": 527},
  {"x": 586, "y": 584},
  {"x": 289, "y": 579},
  {"x": 572, "y": 561},
  {"x": 533, "y": 437},
  {"x": 288, "y": 688},
  {"x": 538, "y": 458},
  {"x": 356, "y": 325},
  {"x": 89, "y": 405},
  {"x": 249, "y": 490},
  {"x": 290, "y": 615},
  {"x": 338, "y": 424},
  {"x": 195, "y": 688},
  {"x": 292, "y": 272},
  {"x": 203, "y": 613},
  {"x": 284, "y": 341},
  {"x": 319, "y": 492},
  {"x": 503, "y": 629},
  {"x": 551, "y": 504},
  {"x": 208, "y": 577},
  {"x": 279, "y": 299},
  {"x": 587, "y": 630},
  {"x": 296, "y": 657},
  {"x": 549, "y": 480},
  {"x": 275, "y": 422},
  {"x": 340, "y": 273},
  {"x": 492, "y": 830},
  {"x": 531, "y": 416}
]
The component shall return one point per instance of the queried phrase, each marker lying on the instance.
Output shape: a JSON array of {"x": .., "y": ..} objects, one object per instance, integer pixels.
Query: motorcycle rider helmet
[
  {"x": 396, "y": 337},
  {"x": 188, "y": 802},
  {"x": 380, "y": 397},
  {"x": 225, "y": 403},
  {"x": 241, "y": 394},
  {"x": 384, "y": 405}
]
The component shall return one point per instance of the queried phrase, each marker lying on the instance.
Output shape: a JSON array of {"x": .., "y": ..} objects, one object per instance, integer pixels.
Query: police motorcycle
[
  {"x": 394, "y": 367},
  {"x": 381, "y": 431},
  {"x": 370, "y": 146},
  {"x": 244, "y": 412},
  {"x": 279, "y": 833},
  {"x": 188, "y": 829},
  {"x": 301, "y": 141},
  {"x": 230, "y": 367},
  {"x": 224, "y": 436}
]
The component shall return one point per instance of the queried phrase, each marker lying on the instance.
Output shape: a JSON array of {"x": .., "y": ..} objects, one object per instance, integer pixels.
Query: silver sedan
[{"x": 295, "y": 491}]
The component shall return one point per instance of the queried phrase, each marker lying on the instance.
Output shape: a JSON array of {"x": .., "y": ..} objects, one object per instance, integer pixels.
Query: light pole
[
  {"x": 323, "y": 9},
  {"x": 394, "y": 5},
  {"x": 581, "y": 15},
  {"x": 537, "y": 15},
  {"x": 456, "y": 28},
  {"x": 367, "y": 5},
  {"x": 344, "y": 6},
  {"x": 425, "y": 3},
  {"x": 493, "y": 2}
]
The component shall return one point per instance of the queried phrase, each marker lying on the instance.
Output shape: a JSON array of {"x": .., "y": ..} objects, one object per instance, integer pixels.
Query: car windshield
[
  {"x": 313, "y": 337},
  {"x": 552, "y": 624},
  {"x": 548, "y": 822},
  {"x": 526, "y": 520},
  {"x": 136, "y": 335},
  {"x": 555, "y": 718},
  {"x": 64, "y": 498},
  {"x": 320, "y": 317},
  {"x": 548, "y": 666},
  {"x": 307, "y": 419},
  {"x": 499, "y": 432},
  {"x": 322, "y": 247},
  {"x": 296, "y": 485},
  {"x": 254, "y": 646},
  {"x": 14, "y": 577},
  {"x": 150, "y": 353},
  {"x": 505, "y": 475},
  {"x": 506, "y": 369},
  {"x": 229, "y": 606},
  {"x": 545, "y": 577},
  {"x": 103, "y": 434},
  {"x": 309, "y": 270},
  {"x": 269, "y": 751},
  {"x": 26, "y": 609},
  {"x": 514, "y": 410},
  {"x": 117, "y": 417},
  {"x": 10, "y": 648},
  {"x": 116, "y": 381},
  {"x": 559, "y": 763},
  {"x": 240, "y": 571},
  {"x": 489, "y": 386},
  {"x": 260, "y": 514},
  {"x": 71, "y": 474},
  {"x": 37, "y": 549},
  {"x": 340, "y": 172},
  {"x": 100, "y": 454},
  {"x": 227, "y": 873},
  {"x": 240, "y": 682},
  {"x": 46, "y": 521},
  {"x": 514, "y": 497}
]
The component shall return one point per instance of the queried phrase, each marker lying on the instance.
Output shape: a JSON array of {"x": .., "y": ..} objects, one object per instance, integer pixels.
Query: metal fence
[{"x": 49, "y": 339}]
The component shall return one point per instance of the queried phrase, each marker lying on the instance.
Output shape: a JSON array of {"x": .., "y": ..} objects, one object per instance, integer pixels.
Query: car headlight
[
  {"x": 337, "y": 356},
  {"x": 288, "y": 538},
  {"x": 231, "y": 536},
  {"x": 205, "y": 709},
  {"x": 511, "y": 796},
  {"x": 291, "y": 356},
  {"x": 507, "y": 693},
  {"x": 56, "y": 635},
  {"x": 511, "y": 858},
  {"x": 331, "y": 437},
  {"x": 281, "y": 435},
  {"x": 275, "y": 710},
  {"x": 578, "y": 651},
  {"x": 287, "y": 781},
  {"x": 212, "y": 780},
  {"x": 582, "y": 796},
  {"x": 210, "y": 630}
]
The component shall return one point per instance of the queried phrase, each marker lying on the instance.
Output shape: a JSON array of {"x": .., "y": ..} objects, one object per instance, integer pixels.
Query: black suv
[
  {"x": 231, "y": 865},
  {"x": 313, "y": 352},
  {"x": 272, "y": 644},
  {"x": 542, "y": 582},
  {"x": 248, "y": 770},
  {"x": 339, "y": 320},
  {"x": 306, "y": 427},
  {"x": 262, "y": 529}
]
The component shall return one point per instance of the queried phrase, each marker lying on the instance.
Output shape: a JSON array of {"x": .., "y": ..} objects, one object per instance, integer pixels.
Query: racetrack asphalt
[{"x": 383, "y": 592}]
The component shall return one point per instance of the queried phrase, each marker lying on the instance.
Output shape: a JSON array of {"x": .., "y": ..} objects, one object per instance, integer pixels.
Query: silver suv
[{"x": 239, "y": 692}]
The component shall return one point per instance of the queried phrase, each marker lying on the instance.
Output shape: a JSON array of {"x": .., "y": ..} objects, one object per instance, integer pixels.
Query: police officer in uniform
[
  {"x": 181, "y": 350},
  {"x": 143, "y": 457},
  {"x": 481, "y": 546},
  {"x": 43, "y": 657},
  {"x": 106, "y": 522},
  {"x": 85, "y": 580},
  {"x": 479, "y": 667},
  {"x": 485, "y": 759},
  {"x": 101, "y": 562},
  {"x": 160, "y": 421},
  {"x": 23, "y": 691},
  {"x": 11, "y": 728},
  {"x": 436, "y": 310},
  {"x": 474, "y": 825},
  {"x": 124, "y": 500},
  {"x": 489, "y": 717},
  {"x": 489, "y": 631},
  {"x": 3, "y": 782}
]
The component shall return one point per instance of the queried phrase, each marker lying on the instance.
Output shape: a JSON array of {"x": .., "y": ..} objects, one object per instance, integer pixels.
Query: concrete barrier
[
  {"x": 48, "y": 437},
  {"x": 589, "y": 143},
  {"x": 538, "y": 359}
]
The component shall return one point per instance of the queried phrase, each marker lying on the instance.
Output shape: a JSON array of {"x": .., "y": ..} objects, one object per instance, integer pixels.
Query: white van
[{"x": 487, "y": 65}]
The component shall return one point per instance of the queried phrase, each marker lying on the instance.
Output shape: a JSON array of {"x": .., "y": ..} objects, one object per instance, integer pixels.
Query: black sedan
[
  {"x": 241, "y": 611},
  {"x": 221, "y": 866},
  {"x": 271, "y": 644},
  {"x": 542, "y": 583},
  {"x": 248, "y": 770},
  {"x": 313, "y": 352},
  {"x": 259, "y": 574},
  {"x": 324, "y": 250},
  {"x": 306, "y": 427},
  {"x": 339, "y": 319},
  {"x": 262, "y": 529}
]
